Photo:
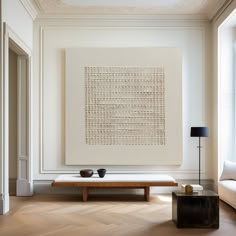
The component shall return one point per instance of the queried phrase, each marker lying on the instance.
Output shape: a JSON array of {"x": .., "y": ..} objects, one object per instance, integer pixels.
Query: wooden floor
[{"x": 101, "y": 215}]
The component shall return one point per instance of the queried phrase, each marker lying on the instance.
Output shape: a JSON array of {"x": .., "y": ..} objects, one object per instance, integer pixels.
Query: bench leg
[
  {"x": 85, "y": 193},
  {"x": 147, "y": 193}
]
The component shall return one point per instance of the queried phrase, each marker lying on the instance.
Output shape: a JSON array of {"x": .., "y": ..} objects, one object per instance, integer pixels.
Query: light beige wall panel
[
  {"x": 49, "y": 86},
  {"x": 105, "y": 90}
]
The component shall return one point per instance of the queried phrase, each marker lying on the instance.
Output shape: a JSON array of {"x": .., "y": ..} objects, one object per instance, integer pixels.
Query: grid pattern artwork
[{"x": 125, "y": 106}]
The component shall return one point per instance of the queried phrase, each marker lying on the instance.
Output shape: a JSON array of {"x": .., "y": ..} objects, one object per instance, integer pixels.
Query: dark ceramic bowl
[
  {"x": 101, "y": 172},
  {"x": 86, "y": 173}
]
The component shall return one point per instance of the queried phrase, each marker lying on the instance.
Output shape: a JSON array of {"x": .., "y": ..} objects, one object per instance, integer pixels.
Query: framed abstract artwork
[{"x": 123, "y": 106}]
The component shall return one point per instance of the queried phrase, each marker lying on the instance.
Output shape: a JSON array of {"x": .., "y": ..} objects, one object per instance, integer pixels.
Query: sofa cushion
[
  {"x": 229, "y": 171},
  {"x": 227, "y": 191}
]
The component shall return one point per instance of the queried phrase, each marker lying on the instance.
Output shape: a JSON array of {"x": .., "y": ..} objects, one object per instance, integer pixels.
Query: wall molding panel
[{"x": 52, "y": 37}]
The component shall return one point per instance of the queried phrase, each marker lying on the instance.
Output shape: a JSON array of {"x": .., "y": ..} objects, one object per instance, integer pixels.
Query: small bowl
[
  {"x": 101, "y": 172},
  {"x": 86, "y": 173}
]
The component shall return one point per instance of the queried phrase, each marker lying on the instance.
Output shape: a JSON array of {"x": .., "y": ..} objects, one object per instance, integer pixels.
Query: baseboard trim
[
  {"x": 4, "y": 203},
  {"x": 23, "y": 188},
  {"x": 44, "y": 187}
]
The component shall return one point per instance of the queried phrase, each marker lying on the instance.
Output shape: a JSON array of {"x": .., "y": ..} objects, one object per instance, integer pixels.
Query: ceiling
[{"x": 202, "y": 8}]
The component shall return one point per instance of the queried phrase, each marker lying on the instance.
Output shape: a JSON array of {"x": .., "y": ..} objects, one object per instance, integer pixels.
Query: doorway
[
  {"x": 12, "y": 122},
  {"x": 16, "y": 119},
  {"x": 19, "y": 115}
]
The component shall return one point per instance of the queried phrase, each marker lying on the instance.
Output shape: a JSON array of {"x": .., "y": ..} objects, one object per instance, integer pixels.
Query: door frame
[{"x": 24, "y": 171}]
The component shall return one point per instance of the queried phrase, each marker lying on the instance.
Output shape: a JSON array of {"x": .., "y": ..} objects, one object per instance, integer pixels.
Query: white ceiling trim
[
  {"x": 174, "y": 9},
  {"x": 219, "y": 7},
  {"x": 30, "y": 8},
  {"x": 122, "y": 20}
]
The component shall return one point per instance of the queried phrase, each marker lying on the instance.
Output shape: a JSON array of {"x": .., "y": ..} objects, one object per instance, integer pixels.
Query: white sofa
[{"x": 227, "y": 184}]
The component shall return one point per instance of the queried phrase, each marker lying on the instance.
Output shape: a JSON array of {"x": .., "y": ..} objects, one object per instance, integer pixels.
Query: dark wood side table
[{"x": 197, "y": 210}]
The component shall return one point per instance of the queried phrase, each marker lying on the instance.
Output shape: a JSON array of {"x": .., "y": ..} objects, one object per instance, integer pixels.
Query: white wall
[
  {"x": 13, "y": 115},
  {"x": 18, "y": 19},
  {"x": 51, "y": 37}
]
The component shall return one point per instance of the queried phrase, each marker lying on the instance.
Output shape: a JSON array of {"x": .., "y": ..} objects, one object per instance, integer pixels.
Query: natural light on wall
[{"x": 226, "y": 89}]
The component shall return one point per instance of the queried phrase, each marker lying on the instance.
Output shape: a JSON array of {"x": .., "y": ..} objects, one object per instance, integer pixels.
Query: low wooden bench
[{"x": 144, "y": 181}]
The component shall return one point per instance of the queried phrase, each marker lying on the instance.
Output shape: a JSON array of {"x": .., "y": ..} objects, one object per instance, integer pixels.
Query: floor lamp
[{"x": 199, "y": 132}]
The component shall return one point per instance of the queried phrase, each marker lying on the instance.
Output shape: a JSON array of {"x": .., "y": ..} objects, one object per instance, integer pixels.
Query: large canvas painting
[{"x": 123, "y": 106}]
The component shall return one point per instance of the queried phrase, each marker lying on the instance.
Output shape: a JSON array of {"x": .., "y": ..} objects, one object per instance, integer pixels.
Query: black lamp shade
[{"x": 199, "y": 132}]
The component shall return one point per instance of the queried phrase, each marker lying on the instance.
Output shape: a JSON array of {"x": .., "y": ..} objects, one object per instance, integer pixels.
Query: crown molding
[
  {"x": 159, "y": 7},
  {"x": 30, "y": 8},
  {"x": 122, "y": 17},
  {"x": 45, "y": 9},
  {"x": 219, "y": 8},
  {"x": 58, "y": 8}
]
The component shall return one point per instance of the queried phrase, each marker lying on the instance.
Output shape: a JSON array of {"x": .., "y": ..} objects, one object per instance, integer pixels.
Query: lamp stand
[{"x": 199, "y": 179}]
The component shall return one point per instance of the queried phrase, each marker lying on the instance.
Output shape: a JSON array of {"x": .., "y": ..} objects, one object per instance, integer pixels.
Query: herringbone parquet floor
[{"x": 51, "y": 215}]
